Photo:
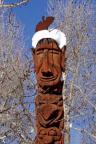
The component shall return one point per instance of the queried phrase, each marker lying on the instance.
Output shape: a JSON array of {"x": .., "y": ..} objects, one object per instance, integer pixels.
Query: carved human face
[
  {"x": 50, "y": 136},
  {"x": 49, "y": 62}
]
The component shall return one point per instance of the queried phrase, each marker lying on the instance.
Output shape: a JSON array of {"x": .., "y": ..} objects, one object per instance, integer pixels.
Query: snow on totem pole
[{"x": 48, "y": 50}]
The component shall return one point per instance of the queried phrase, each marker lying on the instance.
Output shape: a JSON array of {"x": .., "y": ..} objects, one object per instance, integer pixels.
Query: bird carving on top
[{"x": 45, "y": 23}]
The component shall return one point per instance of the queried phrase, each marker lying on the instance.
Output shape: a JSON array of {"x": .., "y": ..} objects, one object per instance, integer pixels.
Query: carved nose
[
  {"x": 47, "y": 74},
  {"x": 46, "y": 67}
]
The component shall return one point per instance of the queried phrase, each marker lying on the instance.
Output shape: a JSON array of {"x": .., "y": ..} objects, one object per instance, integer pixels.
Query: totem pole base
[{"x": 49, "y": 119}]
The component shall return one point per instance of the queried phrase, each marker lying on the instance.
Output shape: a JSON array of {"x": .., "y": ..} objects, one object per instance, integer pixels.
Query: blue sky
[{"x": 30, "y": 14}]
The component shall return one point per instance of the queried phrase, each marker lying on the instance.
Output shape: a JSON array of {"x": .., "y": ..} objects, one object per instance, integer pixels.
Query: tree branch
[
  {"x": 85, "y": 131},
  {"x": 14, "y": 4}
]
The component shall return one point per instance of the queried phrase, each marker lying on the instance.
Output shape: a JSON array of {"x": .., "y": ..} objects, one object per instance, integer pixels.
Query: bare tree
[
  {"x": 7, "y": 4},
  {"x": 78, "y": 21},
  {"x": 16, "y": 84}
]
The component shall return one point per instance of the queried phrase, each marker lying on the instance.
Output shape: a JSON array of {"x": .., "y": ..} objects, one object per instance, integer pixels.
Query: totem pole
[{"x": 49, "y": 48}]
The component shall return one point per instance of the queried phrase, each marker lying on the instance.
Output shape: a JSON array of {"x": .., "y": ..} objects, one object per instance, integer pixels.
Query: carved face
[
  {"x": 50, "y": 136},
  {"x": 49, "y": 62}
]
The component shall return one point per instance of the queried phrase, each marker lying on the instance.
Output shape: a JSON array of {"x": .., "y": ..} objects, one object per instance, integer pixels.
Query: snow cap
[{"x": 43, "y": 32}]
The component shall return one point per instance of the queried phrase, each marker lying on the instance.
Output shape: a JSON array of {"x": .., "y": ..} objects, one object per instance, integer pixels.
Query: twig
[{"x": 14, "y": 4}]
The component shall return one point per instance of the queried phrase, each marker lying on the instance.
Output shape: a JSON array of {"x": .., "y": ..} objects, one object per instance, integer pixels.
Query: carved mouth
[{"x": 52, "y": 78}]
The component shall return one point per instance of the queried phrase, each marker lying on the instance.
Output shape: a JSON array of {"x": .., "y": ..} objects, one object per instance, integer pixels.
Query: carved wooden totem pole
[{"x": 49, "y": 48}]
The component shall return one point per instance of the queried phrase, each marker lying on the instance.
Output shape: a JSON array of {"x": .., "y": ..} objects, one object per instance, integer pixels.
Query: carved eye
[{"x": 39, "y": 52}]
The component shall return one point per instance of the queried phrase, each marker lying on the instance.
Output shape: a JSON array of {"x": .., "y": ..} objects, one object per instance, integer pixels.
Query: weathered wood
[{"x": 49, "y": 63}]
